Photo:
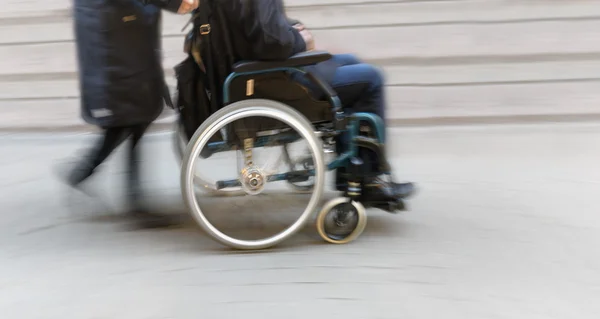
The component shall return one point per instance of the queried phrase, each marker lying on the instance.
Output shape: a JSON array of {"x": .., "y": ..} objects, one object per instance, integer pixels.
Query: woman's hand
[
  {"x": 188, "y": 6},
  {"x": 299, "y": 26},
  {"x": 309, "y": 40}
]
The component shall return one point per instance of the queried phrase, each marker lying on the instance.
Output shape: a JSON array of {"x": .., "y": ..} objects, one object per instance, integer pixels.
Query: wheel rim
[
  {"x": 204, "y": 185},
  {"x": 201, "y": 182},
  {"x": 230, "y": 114}
]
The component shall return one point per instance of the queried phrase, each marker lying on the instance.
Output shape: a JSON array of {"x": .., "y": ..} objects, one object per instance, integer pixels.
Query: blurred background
[
  {"x": 443, "y": 59},
  {"x": 494, "y": 109}
]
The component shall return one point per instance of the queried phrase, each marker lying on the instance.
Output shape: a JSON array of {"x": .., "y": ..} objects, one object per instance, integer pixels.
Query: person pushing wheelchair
[
  {"x": 268, "y": 34},
  {"x": 122, "y": 85}
]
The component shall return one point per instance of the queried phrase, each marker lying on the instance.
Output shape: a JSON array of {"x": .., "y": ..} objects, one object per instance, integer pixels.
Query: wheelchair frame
[
  {"x": 353, "y": 120},
  {"x": 341, "y": 123}
]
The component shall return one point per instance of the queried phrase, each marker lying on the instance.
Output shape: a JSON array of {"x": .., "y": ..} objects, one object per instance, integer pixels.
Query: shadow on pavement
[{"x": 187, "y": 236}]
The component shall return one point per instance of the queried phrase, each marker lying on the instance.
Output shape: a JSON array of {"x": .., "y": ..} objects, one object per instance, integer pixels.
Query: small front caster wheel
[{"x": 341, "y": 220}]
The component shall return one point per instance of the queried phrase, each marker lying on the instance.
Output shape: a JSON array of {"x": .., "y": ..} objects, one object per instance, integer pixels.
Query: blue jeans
[
  {"x": 360, "y": 88},
  {"x": 359, "y": 85}
]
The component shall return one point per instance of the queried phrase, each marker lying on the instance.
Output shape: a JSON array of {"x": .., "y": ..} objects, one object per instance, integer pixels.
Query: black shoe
[
  {"x": 75, "y": 175},
  {"x": 379, "y": 190},
  {"x": 403, "y": 190}
]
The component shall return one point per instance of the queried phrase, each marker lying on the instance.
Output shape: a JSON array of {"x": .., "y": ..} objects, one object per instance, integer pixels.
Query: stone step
[
  {"x": 407, "y": 104},
  {"x": 56, "y": 25},
  {"x": 385, "y": 43},
  {"x": 442, "y": 59},
  {"x": 28, "y": 6},
  {"x": 65, "y": 85},
  {"x": 320, "y": 13},
  {"x": 51, "y": 114}
]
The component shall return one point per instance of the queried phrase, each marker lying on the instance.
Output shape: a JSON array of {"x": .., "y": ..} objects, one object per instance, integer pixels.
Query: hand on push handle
[{"x": 188, "y": 6}]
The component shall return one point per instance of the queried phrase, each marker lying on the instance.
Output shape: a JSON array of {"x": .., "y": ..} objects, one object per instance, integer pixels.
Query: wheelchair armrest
[{"x": 298, "y": 60}]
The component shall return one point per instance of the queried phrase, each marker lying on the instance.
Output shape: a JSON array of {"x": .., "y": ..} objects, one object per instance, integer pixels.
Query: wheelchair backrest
[
  {"x": 224, "y": 43},
  {"x": 215, "y": 41}
]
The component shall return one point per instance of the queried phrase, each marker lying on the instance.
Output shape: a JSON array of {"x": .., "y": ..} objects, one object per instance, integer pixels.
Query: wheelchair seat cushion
[{"x": 298, "y": 60}]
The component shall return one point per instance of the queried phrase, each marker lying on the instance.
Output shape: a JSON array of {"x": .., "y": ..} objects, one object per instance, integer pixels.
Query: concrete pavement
[{"x": 506, "y": 226}]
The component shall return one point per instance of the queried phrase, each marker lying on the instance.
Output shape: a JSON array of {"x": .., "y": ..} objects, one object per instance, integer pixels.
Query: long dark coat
[{"x": 119, "y": 58}]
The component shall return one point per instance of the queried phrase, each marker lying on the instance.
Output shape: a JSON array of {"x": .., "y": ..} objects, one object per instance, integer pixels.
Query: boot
[
  {"x": 75, "y": 176},
  {"x": 95, "y": 156},
  {"x": 379, "y": 190}
]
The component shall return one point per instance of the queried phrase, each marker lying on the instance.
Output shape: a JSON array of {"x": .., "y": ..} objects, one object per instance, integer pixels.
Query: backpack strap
[{"x": 205, "y": 12}]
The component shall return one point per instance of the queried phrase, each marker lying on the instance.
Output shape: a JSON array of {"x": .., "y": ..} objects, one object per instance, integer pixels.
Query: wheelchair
[{"x": 263, "y": 107}]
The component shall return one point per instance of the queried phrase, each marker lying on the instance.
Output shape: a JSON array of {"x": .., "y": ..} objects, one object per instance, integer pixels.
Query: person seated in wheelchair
[{"x": 262, "y": 31}]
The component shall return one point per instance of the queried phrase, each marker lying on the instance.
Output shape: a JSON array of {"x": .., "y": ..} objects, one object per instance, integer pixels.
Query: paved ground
[{"x": 506, "y": 226}]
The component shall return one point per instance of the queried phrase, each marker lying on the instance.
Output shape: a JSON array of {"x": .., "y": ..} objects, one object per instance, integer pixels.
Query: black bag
[
  {"x": 198, "y": 93},
  {"x": 193, "y": 101}
]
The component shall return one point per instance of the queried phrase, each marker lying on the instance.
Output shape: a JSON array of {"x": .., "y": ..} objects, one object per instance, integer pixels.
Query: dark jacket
[
  {"x": 261, "y": 30},
  {"x": 119, "y": 57}
]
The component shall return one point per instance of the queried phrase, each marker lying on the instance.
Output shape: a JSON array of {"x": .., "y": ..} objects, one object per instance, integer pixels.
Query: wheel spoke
[{"x": 253, "y": 176}]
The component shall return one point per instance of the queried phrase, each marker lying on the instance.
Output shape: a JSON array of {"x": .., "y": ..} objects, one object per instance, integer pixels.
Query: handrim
[
  {"x": 199, "y": 180},
  {"x": 226, "y": 115}
]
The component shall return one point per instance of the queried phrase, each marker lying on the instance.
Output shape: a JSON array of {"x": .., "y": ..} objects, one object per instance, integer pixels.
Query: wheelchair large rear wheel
[
  {"x": 180, "y": 143},
  {"x": 253, "y": 180}
]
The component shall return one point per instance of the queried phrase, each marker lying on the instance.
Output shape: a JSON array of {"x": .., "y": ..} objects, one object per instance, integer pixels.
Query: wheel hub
[
  {"x": 253, "y": 180},
  {"x": 343, "y": 220}
]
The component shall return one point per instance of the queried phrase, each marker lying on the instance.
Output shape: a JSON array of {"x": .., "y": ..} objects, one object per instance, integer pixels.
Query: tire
[{"x": 226, "y": 115}]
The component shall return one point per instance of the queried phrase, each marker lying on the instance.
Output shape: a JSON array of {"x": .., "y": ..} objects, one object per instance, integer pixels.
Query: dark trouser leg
[
  {"x": 109, "y": 141},
  {"x": 142, "y": 217},
  {"x": 133, "y": 176},
  {"x": 360, "y": 89}
]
